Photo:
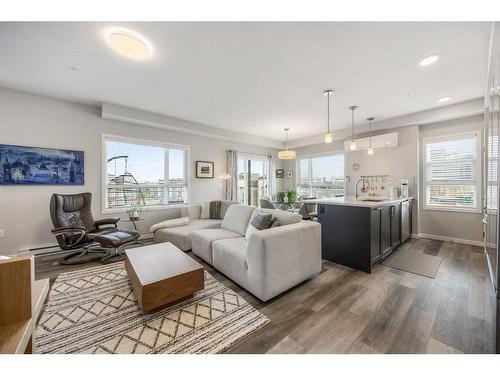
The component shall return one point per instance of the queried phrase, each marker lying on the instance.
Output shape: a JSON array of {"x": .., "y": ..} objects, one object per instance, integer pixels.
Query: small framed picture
[
  {"x": 204, "y": 169},
  {"x": 289, "y": 174},
  {"x": 280, "y": 173}
]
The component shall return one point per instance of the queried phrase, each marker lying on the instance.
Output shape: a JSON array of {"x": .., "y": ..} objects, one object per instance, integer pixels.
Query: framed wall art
[
  {"x": 204, "y": 169},
  {"x": 22, "y": 165}
]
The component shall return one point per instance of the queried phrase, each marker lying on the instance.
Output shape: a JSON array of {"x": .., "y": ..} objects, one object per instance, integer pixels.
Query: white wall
[
  {"x": 33, "y": 120},
  {"x": 462, "y": 225}
]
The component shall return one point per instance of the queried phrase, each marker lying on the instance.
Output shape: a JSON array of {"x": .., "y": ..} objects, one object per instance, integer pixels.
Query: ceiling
[{"x": 256, "y": 78}]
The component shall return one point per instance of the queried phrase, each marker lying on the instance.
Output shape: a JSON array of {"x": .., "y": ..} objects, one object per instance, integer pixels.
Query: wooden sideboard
[{"x": 21, "y": 301}]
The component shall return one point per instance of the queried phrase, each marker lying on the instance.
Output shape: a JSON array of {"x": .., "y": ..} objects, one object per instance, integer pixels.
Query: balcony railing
[{"x": 122, "y": 196}]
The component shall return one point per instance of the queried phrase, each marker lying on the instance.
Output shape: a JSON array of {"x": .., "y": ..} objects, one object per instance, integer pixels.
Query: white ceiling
[{"x": 256, "y": 78}]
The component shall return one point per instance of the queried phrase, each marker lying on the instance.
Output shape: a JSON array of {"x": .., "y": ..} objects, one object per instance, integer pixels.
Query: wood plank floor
[{"x": 388, "y": 311}]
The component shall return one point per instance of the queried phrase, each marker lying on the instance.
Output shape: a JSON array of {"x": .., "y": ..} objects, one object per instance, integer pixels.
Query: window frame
[
  {"x": 266, "y": 164},
  {"x": 477, "y": 169},
  {"x": 318, "y": 155},
  {"x": 144, "y": 142}
]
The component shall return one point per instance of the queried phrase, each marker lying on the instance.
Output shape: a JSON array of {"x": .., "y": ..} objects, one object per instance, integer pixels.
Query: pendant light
[
  {"x": 353, "y": 145},
  {"x": 328, "y": 134},
  {"x": 287, "y": 154},
  {"x": 370, "y": 149}
]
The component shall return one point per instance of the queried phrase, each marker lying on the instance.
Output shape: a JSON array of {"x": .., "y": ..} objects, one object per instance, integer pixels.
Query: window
[
  {"x": 492, "y": 168},
  {"x": 452, "y": 172},
  {"x": 252, "y": 178},
  {"x": 143, "y": 173},
  {"x": 321, "y": 177}
]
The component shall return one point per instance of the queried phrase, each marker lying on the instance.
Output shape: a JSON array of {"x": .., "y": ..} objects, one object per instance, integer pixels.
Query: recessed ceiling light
[
  {"x": 129, "y": 44},
  {"x": 429, "y": 60},
  {"x": 444, "y": 99}
]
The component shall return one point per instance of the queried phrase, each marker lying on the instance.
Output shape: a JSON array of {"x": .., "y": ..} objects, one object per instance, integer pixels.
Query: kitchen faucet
[{"x": 365, "y": 181}]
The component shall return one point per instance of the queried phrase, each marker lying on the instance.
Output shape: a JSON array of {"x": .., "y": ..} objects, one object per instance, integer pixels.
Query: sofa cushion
[
  {"x": 237, "y": 218},
  {"x": 180, "y": 236},
  {"x": 202, "y": 239},
  {"x": 191, "y": 211},
  {"x": 224, "y": 205},
  {"x": 229, "y": 257}
]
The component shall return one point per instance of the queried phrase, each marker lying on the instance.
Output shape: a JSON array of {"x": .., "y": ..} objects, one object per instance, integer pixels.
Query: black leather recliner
[{"x": 75, "y": 228}]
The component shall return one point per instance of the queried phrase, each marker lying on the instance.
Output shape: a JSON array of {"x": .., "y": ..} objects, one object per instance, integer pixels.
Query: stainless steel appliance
[
  {"x": 405, "y": 220},
  {"x": 491, "y": 173}
]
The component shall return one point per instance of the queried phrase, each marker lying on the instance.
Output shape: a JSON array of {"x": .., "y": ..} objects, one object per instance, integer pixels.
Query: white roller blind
[{"x": 452, "y": 172}]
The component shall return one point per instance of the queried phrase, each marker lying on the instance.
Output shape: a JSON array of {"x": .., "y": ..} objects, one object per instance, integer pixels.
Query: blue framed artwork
[{"x": 21, "y": 165}]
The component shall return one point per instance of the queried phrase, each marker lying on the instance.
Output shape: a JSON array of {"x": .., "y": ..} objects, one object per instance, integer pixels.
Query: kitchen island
[{"x": 361, "y": 232}]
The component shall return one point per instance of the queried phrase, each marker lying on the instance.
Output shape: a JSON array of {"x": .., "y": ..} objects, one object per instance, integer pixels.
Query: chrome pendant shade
[
  {"x": 353, "y": 145},
  {"x": 287, "y": 154},
  {"x": 328, "y": 134}
]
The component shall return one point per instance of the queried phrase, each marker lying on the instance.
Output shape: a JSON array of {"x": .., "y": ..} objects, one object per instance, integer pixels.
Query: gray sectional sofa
[
  {"x": 266, "y": 262},
  {"x": 180, "y": 236}
]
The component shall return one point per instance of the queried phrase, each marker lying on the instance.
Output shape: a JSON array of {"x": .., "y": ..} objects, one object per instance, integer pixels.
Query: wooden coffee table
[{"x": 162, "y": 274}]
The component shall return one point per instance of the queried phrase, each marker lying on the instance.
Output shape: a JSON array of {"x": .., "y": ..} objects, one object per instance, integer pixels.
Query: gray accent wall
[{"x": 34, "y": 120}]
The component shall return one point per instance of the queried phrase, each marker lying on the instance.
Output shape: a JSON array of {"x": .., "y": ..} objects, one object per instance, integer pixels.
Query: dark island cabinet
[{"x": 360, "y": 237}]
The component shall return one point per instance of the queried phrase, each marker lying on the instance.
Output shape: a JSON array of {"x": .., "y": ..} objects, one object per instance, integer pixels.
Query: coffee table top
[{"x": 157, "y": 262}]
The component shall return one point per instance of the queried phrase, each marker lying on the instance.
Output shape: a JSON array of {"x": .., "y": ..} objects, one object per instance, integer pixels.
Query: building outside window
[
  {"x": 452, "y": 172},
  {"x": 143, "y": 173},
  {"x": 321, "y": 176},
  {"x": 253, "y": 172}
]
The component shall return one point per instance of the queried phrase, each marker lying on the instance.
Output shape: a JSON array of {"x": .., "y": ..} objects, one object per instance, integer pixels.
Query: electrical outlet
[{"x": 2, "y": 234}]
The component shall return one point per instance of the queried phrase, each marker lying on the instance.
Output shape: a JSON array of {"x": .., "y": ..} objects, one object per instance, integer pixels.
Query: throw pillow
[
  {"x": 262, "y": 221},
  {"x": 205, "y": 210},
  {"x": 214, "y": 210},
  {"x": 170, "y": 223},
  {"x": 275, "y": 223},
  {"x": 258, "y": 222}
]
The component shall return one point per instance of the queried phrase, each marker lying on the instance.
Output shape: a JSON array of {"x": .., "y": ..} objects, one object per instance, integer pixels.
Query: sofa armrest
[
  {"x": 278, "y": 258},
  {"x": 107, "y": 221}
]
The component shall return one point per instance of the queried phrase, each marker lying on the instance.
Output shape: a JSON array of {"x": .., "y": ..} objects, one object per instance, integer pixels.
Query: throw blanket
[
  {"x": 214, "y": 210},
  {"x": 170, "y": 224}
]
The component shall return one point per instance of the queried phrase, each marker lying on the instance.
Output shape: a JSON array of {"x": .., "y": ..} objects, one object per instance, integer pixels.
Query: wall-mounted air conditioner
[{"x": 389, "y": 140}]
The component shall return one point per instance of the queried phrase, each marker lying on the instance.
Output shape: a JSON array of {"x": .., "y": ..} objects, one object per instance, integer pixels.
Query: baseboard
[{"x": 451, "y": 239}]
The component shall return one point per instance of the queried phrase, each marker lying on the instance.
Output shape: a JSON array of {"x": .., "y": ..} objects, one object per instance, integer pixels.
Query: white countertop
[{"x": 360, "y": 202}]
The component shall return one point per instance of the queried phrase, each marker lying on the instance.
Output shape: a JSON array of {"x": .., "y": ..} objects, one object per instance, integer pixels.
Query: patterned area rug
[{"x": 95, "y": 311}]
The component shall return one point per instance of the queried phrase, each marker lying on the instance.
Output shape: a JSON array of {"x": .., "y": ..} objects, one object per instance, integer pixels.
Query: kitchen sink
[{"x": 373, "y": 200}]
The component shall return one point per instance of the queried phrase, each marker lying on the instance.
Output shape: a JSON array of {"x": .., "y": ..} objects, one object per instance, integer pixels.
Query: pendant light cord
[
  {"x": 328, "y": 109},
  {"x": 370, "y": 133},
  {"x": 352, "y": 119}
]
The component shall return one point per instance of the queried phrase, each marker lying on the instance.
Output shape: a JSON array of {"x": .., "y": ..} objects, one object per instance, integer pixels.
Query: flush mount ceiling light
[
  {"x": 429, "y": 60},
  {"x": 328, "y": 134},
  {"x": 287, "y": 154},
  {"x": 129, "y": 44},
  {"x": 444, "y": 99},
  {"x": 353, "y": 145}
]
